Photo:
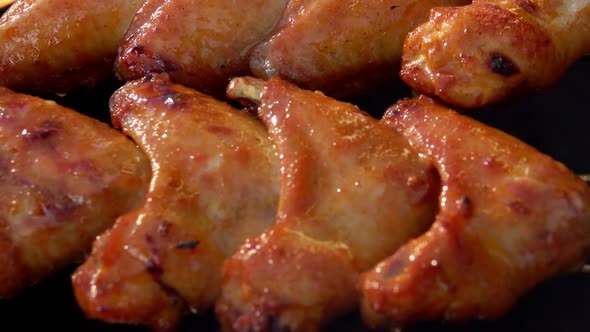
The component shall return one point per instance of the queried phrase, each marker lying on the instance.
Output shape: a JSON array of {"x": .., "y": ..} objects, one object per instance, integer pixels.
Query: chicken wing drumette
[
  {"x": 64, "y": 179},
  {"x": 485, "y": 52},
  {"x": 215, "y": 182},
  {"x": 200, "y": 43},
  {"x": 59, "y": 45},
  {"x": 341, "y": 47},
  {"x": 352, "y": 191},
  {"x": 510, "y": 217}
]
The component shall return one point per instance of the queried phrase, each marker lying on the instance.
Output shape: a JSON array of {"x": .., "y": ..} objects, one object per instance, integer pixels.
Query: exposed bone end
[{"x": 247, "y": 90}]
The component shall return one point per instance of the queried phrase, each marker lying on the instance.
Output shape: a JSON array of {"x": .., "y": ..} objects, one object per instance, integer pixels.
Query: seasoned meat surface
[
  {"x": 60, "y": 45},
  {"x": 343, "y": 48},
  {"x": 509, "y": 217},
  {"x": 200, "y": 43},
  {"x": 64, "y": 179},
  {"x": 491, "y": 50},
  {"x": 352, "y": 191},
  {"x": 215, "y": 183}
]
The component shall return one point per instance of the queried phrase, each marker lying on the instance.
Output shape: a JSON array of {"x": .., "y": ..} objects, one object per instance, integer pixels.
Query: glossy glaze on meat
[
  {"x": 64, "y": 178},
  {"x": 510, "y": 217},
  {"x": 488, "y": 51},
  {"x": 59, "y": 45},
  {"x": 200, "y": 43},
  {"x": 215, "y": 183},
  {"x": 352, "y": 191},
  {"x": 343, "y": 48}
]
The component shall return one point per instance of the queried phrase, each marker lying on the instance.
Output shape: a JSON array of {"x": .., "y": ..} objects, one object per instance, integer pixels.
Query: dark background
[{"x": 554, "y": 121}]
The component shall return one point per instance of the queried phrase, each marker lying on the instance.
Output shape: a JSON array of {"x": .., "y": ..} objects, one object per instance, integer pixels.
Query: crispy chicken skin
[
  {"x": 352, "y": 191},
  {"x": 64, "y": 178},
  {"x": 488, "y": 51},
  {"x": 341, "y": 57},
  {"x": 510, "y": 217},
  {"x": 59, "y": 45},
  {"x": 200, "y": 43},
  {"x": 215, "y": 182}
]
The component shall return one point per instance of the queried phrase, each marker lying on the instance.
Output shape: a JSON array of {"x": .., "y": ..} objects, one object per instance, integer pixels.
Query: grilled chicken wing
[
  {"x": 58, "y": 45},
  {"x": 509, "y": 218},
  {"x": 64, "y": 178},
  {"x": 215, "y": 182},
  {"x": 341, "y": 47},
  {"x": 490, "y": 50},
  {"x": 199, "y": 43},
  {"x": 5, "y": 3},
  {"x": 351, "y": 192}
]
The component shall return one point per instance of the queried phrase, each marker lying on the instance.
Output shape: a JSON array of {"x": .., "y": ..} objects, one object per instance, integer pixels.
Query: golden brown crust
[
  {"x": 341, "y": 57},
  {"x": 64, "y": 178},
  {"x": 509, "y": 217},
  {"x": 59, "y": 45},
  {"x": 351, "y": 193},
  {"x": 485, "y": 52},
  {"x": 200, "y": 43},
  {"x": 215, "y": 183}
]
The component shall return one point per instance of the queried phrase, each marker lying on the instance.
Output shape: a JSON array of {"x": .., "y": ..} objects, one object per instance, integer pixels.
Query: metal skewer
[{"x": 585, "y": 178}]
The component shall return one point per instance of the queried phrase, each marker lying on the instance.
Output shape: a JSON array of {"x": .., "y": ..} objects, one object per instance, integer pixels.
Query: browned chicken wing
[
  {"x": 341, "y": 47},
  {"x": 5, "y": 3},
  {"x": 64, "y": 178},
  {"x": 510, "y": 217},
  {"x": 352, "y": 191},
  {"x": 215, "y": 182},
  {"x": 490, "y": 50},
  {"x": 200, "y": 43},
  {"x": 58, "y": 45}
]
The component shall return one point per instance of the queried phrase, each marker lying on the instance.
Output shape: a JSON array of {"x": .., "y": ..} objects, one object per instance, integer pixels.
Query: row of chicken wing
[
  {"x": 303, "y": 208},
  {"x": 286, "y": 219},
  {"x": 467, "y": 53}
]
